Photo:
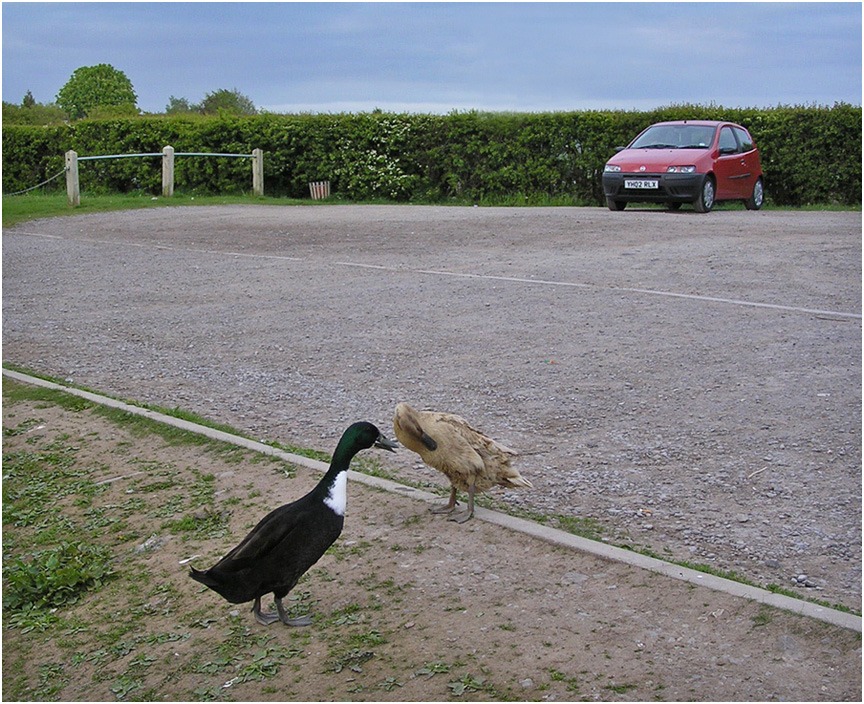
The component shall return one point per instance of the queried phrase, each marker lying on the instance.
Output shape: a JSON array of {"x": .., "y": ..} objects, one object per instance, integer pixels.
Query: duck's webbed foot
[
  {"x": 449, "y": 507},
  {"x": 462, "y": 517},
  {"x": 262, "y": 618},
  {"x": 466, "y": 515},
  {"x": 295, "y": 622},
  {"x": 446, "y": 508}
]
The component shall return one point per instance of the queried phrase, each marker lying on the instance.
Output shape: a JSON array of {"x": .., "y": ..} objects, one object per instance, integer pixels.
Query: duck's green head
[{"x": 363, "y": 435}]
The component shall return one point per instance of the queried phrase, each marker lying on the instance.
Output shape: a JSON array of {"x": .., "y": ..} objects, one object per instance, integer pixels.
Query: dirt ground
[
  {"x": 685, "y": 384},
  {"x": 408, "y": 606}
]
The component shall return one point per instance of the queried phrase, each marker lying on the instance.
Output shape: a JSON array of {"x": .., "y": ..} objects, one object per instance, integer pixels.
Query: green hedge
[{"x": 810, "y": 155}]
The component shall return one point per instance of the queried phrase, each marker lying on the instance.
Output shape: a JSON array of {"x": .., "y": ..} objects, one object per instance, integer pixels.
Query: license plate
[{"x": 641, "y": 183}]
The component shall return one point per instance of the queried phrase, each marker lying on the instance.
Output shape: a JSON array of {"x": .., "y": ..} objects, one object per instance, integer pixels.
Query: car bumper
[{"x": 671, "y": 188}]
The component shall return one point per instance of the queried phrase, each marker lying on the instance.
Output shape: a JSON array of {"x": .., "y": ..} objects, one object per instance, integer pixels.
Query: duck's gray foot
[
  {"x": 462, "y": 517},
  {"x": 294, "y": 622},
  {"x": 446, "y": 508},
  {"x": 299, "y": 621},
  {"x": 261, "y": 617},
  {"x": 449, "y": 507},
  {"x": 466, "y": 515}
]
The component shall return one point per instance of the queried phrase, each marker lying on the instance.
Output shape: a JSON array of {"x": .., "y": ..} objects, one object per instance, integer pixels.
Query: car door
[
  {"x": 749, "y": 160},
  {"x": 730, "y": 168}
]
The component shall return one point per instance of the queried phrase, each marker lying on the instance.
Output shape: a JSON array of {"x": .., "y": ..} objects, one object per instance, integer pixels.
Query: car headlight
[
  {"x": 681, "y": 170},
  {"x": 612, "y": 168}
]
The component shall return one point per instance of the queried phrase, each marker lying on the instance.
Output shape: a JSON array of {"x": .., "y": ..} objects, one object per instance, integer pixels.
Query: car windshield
[{"x": 675, "y": 137}]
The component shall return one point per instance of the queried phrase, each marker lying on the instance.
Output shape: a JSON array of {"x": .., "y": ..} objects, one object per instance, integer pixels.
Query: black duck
[{"x": 291, "y": 538}]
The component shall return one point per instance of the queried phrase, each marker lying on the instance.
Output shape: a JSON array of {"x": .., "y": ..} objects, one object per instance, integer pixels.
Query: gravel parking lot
[{"x": 691, "y": 384}]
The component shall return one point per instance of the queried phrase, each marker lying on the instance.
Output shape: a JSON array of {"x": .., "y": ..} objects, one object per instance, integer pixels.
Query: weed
[
  {"x": 467, "y": 683},
  {"x": 31, "y": 618},
  {"x": 125, "y": 686},
  {"x": 266, "y": 663},
  {"x": 763, "y": 618},
  {"x": 51, "y": 680},
  {"x": 23, "y": 427},
  {"x": 372, "y": 637},
  {"x": 390, "y": 684},
  {"x": 56, "y": 577},
  {"x": 430, "y": 669},
  {"x": 346, "y": 615},
  {"x": 352, "y": 660},
  {"x": 208, "y": 694},
  {"x": 620, "y": 688},
  {"x": 211, "y": 667},
  {"x": 202, "y": 525}
]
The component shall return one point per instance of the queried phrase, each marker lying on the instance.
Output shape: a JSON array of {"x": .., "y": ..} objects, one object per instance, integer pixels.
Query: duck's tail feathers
[
  {"x": 518, "y": 481},
  {"x": 202, "y": 577}
]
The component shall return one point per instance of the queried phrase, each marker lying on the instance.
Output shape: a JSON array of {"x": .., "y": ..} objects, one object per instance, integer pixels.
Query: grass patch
[
  {"x": 621, "y": 688},
  {"x": 735, "y": 577},
  {"x": 35, "y": 205},
  {"x": 141, "y": 425},
  {"x": 80, "y": 581}
]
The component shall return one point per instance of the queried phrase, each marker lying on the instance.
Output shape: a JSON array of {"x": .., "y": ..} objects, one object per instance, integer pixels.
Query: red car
[{"x": 687, "y": 161}]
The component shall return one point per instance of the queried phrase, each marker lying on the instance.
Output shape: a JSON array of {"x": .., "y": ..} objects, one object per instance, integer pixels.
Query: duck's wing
[
  {"x": 277, "y": 527},
  {"x": 479, "y": 441},
  {"x": 487, "y": 458},
  {"x": 457, "y": 443}
]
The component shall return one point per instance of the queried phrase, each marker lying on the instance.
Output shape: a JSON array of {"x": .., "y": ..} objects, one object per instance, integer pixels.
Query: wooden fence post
[
  {"x": 73, "y": 193},
  {"x": 167, "y": 171},
  {"x": 258, "y": 172}
]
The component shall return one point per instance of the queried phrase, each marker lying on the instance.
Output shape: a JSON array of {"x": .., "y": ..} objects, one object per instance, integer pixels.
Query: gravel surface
[{"x": 691, "y": 383}]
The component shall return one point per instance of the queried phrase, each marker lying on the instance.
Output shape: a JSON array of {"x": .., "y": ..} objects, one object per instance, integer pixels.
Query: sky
[{"x": 440, "y": 57}]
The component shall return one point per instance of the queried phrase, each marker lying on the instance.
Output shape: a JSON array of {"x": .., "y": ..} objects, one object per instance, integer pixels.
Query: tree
[
  {"x": 100, "y": 86},
  {"x": 32, "y": 113},
  {"x": 232, "y": 102},
  {"x": 178, "y": 105}
]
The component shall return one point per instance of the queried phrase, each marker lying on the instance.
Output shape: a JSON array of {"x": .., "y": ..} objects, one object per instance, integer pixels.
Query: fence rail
[
  {"x": 117, "y": 156},
  {"x": 73, "y": 189}
]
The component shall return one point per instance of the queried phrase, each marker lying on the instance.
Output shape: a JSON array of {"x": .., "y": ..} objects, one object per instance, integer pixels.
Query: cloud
[{"x": 435, "y": 57}]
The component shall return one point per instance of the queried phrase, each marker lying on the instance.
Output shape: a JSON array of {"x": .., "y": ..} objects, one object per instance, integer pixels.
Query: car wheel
[
  {"x": 754, "y": 202},
  {"x": 613, "y": 204},
  {"x": 705, "y": 201}
]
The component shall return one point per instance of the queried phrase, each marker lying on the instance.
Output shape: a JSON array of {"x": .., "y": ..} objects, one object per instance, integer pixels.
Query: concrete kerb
[{"x": 545, "y": 533}]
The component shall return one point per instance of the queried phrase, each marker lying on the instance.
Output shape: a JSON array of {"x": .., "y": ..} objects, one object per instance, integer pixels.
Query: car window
[
  {"x": 727, "y": 144},
  {"x": 675, "y": 137},
  {"x": 744, "y": 139}
]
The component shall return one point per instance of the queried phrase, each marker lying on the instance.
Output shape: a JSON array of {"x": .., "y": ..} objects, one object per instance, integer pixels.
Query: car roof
[{"x": 705, "y": 123}]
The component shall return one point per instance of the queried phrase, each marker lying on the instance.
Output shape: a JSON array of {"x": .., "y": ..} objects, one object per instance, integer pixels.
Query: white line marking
[
  {"x": 369, "y": 266},
  {"x": 738, "y": 302},
  {"x": 647, "y": 291},
  {"x": 490, "y": 277},
  {"x": 514, "y": 279}
]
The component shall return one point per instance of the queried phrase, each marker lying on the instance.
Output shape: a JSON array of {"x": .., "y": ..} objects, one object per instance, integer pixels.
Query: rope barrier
[
  {"x": 116, "y": 156},
  {"x": 38, "y": 185},
  {"x": 247, "y": 156},
  {"x": 167, "y": 155},
  {"x": 129, "y": 156}
]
